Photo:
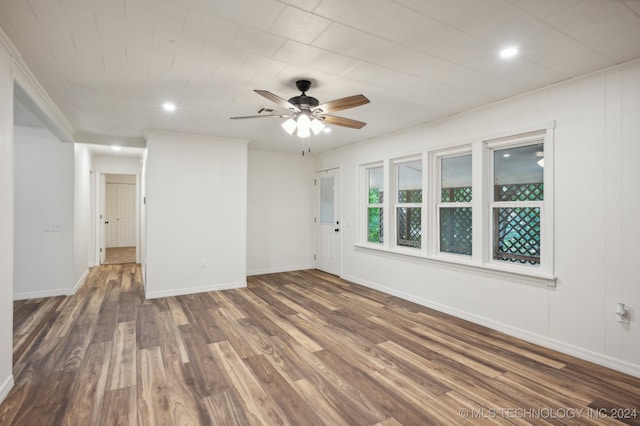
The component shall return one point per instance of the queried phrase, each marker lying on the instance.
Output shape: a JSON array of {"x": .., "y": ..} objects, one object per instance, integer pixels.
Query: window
[
  {"x": 409, "y": 203},
  {"x": 375, "y": 200},
  {"x": 454, "y": 206},
  {"x": 485, "y": 204},
  {"x": 517, "y": 204}
]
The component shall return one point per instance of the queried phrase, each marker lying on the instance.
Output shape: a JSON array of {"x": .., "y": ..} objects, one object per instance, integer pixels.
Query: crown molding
[
  {"x": 29, "y": 90},
  {"x": 6, "y": 42}
]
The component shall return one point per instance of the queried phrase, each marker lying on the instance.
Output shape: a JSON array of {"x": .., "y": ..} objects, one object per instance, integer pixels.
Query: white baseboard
[
  {"x": 192, "y": 290},
  {"x": 278, "y": 269},
  {"x": 52, "y": 292},
  {"x": 41, "y": 293},
  {"x": 6, "y": 387},
  {"x": 79, "y": 283},
  {"x": 538, "y": 339}
]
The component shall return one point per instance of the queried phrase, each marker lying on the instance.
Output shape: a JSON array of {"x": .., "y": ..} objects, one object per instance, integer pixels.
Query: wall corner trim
[
  {"x": 193, "y": 290},
  {"x": 6, "y": 387},
  {"x": 80, "y": 282}
]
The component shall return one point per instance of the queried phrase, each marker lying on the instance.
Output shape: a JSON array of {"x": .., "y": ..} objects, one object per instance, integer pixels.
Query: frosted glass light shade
[
  {"x": 289, "y": 126},
  {"x": 316, "y": 126}
]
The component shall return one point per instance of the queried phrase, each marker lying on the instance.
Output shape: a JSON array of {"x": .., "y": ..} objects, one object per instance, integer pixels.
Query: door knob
[{"x": 106, "y": 222}]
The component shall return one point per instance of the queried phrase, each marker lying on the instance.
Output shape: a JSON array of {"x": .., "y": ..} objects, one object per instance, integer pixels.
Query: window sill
[{"x": 530, "y": 276}]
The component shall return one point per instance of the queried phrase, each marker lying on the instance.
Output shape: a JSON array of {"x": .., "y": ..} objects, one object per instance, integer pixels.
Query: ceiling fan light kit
[{"x": 307, "y": 115}]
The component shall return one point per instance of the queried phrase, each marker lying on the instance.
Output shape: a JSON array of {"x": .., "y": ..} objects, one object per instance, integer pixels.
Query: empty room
[{"x": 319, "y": 212}]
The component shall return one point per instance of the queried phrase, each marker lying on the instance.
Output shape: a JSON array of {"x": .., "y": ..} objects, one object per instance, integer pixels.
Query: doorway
[
  {"x": 328, "y": 221},
  {"x": 118, "y": 218}
]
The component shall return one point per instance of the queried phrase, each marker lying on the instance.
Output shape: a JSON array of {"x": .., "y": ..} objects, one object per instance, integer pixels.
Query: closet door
[
  {"x": 126, "y": 215},
  {"x": 121, "y": 215}
]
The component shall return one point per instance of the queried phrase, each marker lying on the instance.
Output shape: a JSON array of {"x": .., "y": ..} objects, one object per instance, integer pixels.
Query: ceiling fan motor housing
[{"x": 303, "y": 101}]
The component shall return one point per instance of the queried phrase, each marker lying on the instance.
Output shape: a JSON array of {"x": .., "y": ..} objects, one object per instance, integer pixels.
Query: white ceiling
[{"x": 110, "y": 64}]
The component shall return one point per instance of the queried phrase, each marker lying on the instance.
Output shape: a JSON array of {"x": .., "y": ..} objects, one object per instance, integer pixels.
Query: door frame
[
  {"x": 98, "y": 229},
  {"x": 338, "y": 216}
]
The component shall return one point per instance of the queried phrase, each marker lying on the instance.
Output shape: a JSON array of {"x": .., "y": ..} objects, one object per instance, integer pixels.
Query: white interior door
[
  {"x": 103, "y": 214},
  {"x": 328, "y": 221},
  {"x": 111, "y": 221},
  {"x": 121, "y": 215},
  {"x": 126, "y": 215}
]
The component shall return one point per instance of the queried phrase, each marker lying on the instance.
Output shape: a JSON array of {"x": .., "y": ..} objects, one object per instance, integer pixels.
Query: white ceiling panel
[
  {"x": 65, "y": 16},
  {"x": 441, "y": 10},
  {"x": 308, "y": 5},
  {"x": 257, "y": 42},
  {"x": 17, "y": 9},
  {"x": 155, "y": 14},
  {"x": 298, "y": 25},
  {"x": 111, "y": 7},
  {"x": 109, "y": 65},
  {"x": 256, "y": 14},
  {"x": 320, "y": 59},
  {"x": 122, "y": 30},
  {"x": 209, "y": 28},
  {"x": 383, "y": 18},
  {"x": 170, "y": 42}
]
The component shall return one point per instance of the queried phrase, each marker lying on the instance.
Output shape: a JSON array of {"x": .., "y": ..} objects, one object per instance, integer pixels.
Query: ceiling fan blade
[
  {"x": 341, "y": 121},
  {"x": 340, "y": 104},
  {"x": 260, "y": 116},
  {"x": 278, "y": 100}
]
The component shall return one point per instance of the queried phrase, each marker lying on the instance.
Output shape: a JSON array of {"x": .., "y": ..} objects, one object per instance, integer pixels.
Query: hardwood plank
[
  {"x": 119, "y": 408},
  {"x": 123, "y": 367},
  {"x": 260, "y": 408},
  {"x": 291, "y": 403},
  {"x": 210, "y": 377},
  {"x": 153, "y": 391},
  {"x": 301, "y": 347},
  {"x": 224, "y": 408},
  {"x": 88, "y": 396}
]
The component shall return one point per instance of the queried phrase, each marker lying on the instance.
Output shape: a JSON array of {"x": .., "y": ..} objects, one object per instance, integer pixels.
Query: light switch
[{"x": 53, "y": 227}]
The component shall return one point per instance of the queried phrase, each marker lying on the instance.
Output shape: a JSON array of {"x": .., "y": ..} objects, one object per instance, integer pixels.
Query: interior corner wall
[
  {"x": 596, "y": 150},
  {"x": 280, "y": 213},
  {"x": 196, "y": 213},
  {"x": 82, "y": 214},
  {"x": 6, "y": 220},
  {"x": 44, "y": 214}
]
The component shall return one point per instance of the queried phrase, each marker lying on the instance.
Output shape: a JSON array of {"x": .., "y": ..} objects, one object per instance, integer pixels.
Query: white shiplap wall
[{"x": 597, "y": 223}]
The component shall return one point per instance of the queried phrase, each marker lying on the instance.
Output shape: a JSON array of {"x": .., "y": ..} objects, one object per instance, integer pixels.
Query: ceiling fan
[{"x": 308, "y": 115}]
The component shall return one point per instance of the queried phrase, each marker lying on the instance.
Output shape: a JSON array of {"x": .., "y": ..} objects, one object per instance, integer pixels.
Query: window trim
[
  {"x": 437, "y": 203},
  {"x": 396, "y": 204},
  {"x": 364, "y": 193},
  {"x": 482, "y": 187},
  {"x": 545, "y": 137}
]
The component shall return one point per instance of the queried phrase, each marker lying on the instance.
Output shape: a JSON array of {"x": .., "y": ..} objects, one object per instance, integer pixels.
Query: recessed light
[
  {"x": 116, "y": 147},
  {"x": 509, "y": 52},
  {"x": 169, "y": 106}
]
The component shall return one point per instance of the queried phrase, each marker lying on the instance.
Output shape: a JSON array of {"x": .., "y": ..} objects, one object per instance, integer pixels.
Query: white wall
[
  {"x": 196, "y": 191},
  {"x": 129, "y": 179},
  {"x": 82, "y": 214},
  {"x": 44, "y": 195},
  {"x": 117, "y": 164},
  {"x": 280, "y": 212},
  {"x": 6, "y": 217},
  {"x": 596, "y": 221}
]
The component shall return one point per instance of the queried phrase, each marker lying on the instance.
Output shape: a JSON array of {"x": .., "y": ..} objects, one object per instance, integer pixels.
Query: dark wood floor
[
  {"x": 117, "y": 255},
  {"x": 300, "y": 348}
]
